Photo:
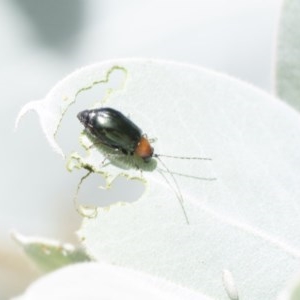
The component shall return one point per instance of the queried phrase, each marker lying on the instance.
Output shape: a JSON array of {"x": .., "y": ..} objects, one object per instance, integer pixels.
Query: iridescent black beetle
[
  {"x": 114, "y": 130},
  {"x": 111, "y": 128}
]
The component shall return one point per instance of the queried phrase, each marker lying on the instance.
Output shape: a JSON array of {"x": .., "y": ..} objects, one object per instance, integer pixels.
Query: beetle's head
[{"x": 144, "y": 149}]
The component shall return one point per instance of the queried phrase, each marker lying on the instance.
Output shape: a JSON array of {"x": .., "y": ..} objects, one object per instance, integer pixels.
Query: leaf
[
  {"x": 287, "y": 68},
  {"x": 244, "y": 232},
  {"x": 102, "y": 281},
  {"x": 54, "y": 106},
  {"x": 292, "y": 290},
  {"x": 48, "y": 254}
]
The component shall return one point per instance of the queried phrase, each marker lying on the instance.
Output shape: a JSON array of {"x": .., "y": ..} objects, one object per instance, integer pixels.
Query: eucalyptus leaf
[
  {"x": 287, "y": 63},
  {"x": 243, "y": 236},
  {"x": 48, "y": 254}
]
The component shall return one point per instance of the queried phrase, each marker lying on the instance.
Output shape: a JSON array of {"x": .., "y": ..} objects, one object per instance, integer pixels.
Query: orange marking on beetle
[{"x": 144, "y": 149}]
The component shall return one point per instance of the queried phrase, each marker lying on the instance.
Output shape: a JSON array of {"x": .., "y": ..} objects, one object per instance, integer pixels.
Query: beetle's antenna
[
  {"x": 190, "y": 176},
  {"x": 177, "y": 191},
  {"x": 78, "y": 207},
  {"x": 181, "y": 157}
]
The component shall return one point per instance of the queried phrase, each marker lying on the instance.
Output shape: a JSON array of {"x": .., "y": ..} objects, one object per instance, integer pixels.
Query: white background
[{"x": 42, "y": 41}]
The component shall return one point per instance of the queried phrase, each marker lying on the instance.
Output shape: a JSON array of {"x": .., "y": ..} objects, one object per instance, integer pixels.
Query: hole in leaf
[{"x": 93, "y": 191}]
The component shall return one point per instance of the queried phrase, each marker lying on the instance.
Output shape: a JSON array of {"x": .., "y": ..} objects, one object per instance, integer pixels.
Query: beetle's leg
[
  {"x": 109, "y": 155},
  {"x": 94, "y": 145},
  {"x": 103, "y": 161}
]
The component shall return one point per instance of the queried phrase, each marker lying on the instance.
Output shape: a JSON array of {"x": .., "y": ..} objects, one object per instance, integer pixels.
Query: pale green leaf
[
  {"x": 291, "y": 290},
  {"x": 287, "y": 62},
  {"x": 48, "y": 254},
  {"x": 102, "y": 281}
]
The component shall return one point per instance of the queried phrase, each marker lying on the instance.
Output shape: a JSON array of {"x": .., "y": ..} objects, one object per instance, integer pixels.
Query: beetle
[{"x": 111, "y": 128}]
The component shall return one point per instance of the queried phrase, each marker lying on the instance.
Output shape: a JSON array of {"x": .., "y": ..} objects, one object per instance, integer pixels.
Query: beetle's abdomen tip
[{"x": 83, "y": 116}]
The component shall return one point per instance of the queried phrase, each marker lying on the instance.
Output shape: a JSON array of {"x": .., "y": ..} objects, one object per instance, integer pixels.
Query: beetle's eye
[{"x": 147, "y": 159}]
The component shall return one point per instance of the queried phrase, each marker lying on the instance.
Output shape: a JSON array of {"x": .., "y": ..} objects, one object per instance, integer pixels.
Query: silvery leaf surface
[{"x": 243, "y": 237}]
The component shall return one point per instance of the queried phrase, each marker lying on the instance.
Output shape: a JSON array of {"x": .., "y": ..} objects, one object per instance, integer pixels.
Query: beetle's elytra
[{"x": 113, "y": 129}]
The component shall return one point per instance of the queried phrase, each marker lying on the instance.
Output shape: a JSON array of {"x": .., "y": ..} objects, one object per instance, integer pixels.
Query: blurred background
[{"x": 42, "y": 41}]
